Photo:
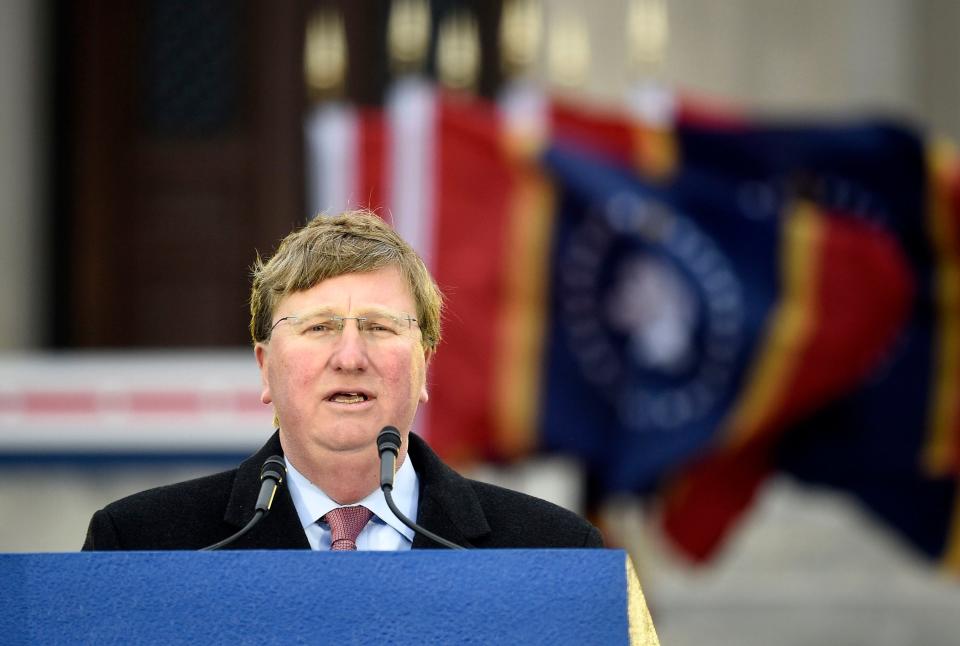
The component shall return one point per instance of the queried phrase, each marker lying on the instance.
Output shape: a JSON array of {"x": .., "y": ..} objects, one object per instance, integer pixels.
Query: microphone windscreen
[
  {"x": 273, "y": 467},
  {"x": 389, "y": 440}
]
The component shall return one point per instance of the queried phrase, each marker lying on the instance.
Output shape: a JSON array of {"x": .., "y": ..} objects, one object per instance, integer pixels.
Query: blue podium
[{"x": 260, "y": 597}]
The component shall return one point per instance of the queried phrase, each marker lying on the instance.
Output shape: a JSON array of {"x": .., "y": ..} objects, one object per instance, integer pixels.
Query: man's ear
[
  {"x": 261, "y": 351},
  {"x": 427, "y": 356}
]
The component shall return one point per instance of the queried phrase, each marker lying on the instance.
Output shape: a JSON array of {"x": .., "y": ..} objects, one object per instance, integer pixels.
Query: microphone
[
  {"x": 271, "y": 477},
  {"x": 388, "y": 444}
]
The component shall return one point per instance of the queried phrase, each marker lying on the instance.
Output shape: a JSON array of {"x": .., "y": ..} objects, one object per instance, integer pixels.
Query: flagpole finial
[
  {"x": 649, "y": 97},
  {"x": 568, "y": 50},
  {"x": 408, "y": 35},
  {"x": 521, "y": 34},
  {"x": 325, "y": 55},
  {"x": 458, "y": 52},
  {"x": 648, "y": 33}
]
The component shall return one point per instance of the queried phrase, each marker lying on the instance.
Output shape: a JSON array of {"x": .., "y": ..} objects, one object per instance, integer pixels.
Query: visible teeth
[{"x": 349, "y": 398}]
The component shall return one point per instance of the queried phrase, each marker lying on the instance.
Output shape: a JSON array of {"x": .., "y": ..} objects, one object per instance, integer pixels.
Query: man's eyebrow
[{"x": 319, "y": 311}]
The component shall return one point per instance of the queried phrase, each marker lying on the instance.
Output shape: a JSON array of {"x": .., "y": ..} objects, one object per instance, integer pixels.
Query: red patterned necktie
[{"x": 346, "y": 523}]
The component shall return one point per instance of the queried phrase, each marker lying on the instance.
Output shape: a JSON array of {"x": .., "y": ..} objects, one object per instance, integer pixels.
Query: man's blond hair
[{"x": 330, "y": 246}]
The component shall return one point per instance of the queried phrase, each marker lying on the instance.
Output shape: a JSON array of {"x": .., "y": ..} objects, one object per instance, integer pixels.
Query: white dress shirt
[{"x": 384, "y": 531}]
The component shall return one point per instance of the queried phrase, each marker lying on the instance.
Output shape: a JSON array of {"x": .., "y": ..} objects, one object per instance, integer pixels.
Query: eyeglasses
[{"x": 372, "y": 326}]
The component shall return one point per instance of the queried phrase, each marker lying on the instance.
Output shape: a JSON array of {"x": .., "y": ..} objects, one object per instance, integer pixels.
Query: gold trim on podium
[{"x": 640, "y": 624}]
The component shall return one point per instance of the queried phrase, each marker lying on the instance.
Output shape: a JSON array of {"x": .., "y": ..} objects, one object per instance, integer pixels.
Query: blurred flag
[
  {"x": 435, "y": 166},
  {"x": 713, "y": 306},
  {"x": 892, "y": 440},
  {"x": 670, "y": 305}
]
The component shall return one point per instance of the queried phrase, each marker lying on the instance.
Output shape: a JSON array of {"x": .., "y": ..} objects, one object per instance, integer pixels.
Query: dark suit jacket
[{"x": 193, "y": 514}]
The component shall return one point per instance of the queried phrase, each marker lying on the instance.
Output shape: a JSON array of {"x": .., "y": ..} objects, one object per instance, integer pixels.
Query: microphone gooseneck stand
[
  {"x": 388, "y": 444},
  {"x": 271, "y": 477}
]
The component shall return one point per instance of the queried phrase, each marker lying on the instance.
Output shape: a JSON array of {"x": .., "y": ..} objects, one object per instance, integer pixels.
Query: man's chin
[{"x": 348, "y": 439}]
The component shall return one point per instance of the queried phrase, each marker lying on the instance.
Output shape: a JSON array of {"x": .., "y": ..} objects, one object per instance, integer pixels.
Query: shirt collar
[{"x": 312, "y": 503}]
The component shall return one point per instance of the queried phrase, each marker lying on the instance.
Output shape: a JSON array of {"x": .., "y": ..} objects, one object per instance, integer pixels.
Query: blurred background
[{"x": 702, "y": 263}]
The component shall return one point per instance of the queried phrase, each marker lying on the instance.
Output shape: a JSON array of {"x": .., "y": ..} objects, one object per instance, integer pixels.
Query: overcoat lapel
[{"x": 448, "y": 505}]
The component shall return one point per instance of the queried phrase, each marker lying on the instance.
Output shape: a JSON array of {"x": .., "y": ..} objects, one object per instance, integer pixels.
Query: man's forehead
[{"x": 381, "y": 290}]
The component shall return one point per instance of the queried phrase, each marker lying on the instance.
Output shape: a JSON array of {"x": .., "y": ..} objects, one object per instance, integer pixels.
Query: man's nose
[{"x": 350, "y": 348}]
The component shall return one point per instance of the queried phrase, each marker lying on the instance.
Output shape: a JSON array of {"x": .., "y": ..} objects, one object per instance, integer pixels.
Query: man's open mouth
[{"x": 348, "y": 398}]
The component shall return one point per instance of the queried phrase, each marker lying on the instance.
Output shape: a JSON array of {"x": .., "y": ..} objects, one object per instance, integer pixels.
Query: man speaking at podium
[{"x": 345, "y": 318}]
